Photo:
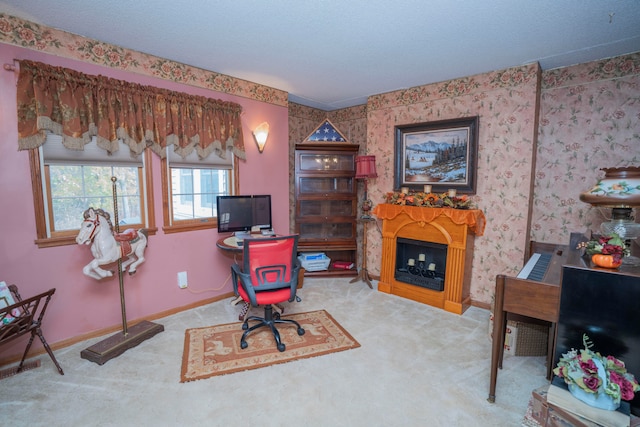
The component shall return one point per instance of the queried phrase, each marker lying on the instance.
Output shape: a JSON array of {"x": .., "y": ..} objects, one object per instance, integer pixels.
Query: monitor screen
[{"x": 242, "y": 213}]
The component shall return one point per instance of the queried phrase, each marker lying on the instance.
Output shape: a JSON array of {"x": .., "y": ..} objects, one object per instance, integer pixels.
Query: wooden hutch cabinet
[{"x": 326, "y": 203}]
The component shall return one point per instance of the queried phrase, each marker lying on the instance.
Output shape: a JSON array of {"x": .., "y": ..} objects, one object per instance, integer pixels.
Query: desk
[{"x": 229, "y": 247}]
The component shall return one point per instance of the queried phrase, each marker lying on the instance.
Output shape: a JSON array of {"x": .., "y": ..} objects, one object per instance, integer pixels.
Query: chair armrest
[{"x": 243, "y": 279}]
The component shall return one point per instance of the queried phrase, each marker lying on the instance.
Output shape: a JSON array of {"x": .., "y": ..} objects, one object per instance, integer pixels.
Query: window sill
[
  {"x": 71, "y": 240},
  {"x": 190, "y": 226}
]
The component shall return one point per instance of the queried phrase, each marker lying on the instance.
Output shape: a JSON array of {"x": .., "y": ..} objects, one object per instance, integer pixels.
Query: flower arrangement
[
  {"x": 428, "y": 200},
  {"x": 596, "y": 375},
  {"x": 606, "y": 245}
]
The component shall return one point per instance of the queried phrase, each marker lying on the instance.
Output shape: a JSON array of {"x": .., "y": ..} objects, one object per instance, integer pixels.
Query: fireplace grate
[
  {"x": 422, "y": 278},
  {"x": 420, "y": 263}
]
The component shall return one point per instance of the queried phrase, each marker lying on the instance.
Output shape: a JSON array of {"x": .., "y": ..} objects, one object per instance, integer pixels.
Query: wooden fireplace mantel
[{"x": 455, "y": 228}]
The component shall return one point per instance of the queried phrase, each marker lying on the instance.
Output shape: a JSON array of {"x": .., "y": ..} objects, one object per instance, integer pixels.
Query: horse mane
[{"x": 99, "y": 211}]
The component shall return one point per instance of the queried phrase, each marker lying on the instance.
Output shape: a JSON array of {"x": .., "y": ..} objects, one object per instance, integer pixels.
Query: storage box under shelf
[
  {"x": 523, "y": 338},
  {"x": 311, "y": 264}
]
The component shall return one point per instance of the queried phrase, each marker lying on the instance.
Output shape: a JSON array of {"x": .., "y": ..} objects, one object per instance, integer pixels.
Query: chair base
[{"x": 269, "y": 320}]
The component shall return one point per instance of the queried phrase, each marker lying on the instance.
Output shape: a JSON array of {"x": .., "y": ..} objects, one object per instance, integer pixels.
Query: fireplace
[
  {"x": 420, "y": 263},
  {"x": 427, "y": 253}
]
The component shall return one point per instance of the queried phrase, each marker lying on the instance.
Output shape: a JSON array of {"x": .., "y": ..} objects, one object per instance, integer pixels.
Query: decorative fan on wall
[{"x": 618, "y": 191}]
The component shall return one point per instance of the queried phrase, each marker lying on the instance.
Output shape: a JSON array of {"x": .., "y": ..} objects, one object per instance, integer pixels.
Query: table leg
[{"x": 499, "y": 330}]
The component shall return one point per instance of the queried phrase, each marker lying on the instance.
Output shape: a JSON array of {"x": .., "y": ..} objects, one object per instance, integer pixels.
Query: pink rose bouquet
[{"x": 596, "y": 374}]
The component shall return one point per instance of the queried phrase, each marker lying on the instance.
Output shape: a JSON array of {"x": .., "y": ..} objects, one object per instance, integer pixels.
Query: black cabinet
[{"x": 605, "y": 305}]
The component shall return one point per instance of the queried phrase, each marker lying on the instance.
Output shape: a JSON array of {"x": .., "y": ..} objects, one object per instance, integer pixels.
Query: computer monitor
[{"x": 242, "y": 213}]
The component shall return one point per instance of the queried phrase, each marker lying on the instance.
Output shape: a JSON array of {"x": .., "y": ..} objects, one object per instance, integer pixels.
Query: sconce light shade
[
  {"x": 366, "y": 167},
  {"x": 260, "y": 134}
]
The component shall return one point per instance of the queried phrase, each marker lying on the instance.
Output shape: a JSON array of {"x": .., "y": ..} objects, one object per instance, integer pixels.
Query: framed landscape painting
[{"x": 441, "y": 154}]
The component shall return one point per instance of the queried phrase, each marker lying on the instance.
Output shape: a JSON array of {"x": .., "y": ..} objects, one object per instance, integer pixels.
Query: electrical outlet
[{"x": 182, "y": 279}]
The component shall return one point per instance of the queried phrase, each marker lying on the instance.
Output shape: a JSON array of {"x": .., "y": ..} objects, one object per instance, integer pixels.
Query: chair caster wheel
[
  {"x": 276, "y": 316},
  {"x": 281, "y": 347},
  {"x": 300, "y": 331},
  {"x": 245, "y": 326},
  {"x": 243, "y": 345}
]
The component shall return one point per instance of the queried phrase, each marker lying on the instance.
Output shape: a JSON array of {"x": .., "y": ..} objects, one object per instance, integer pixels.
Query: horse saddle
[
  {"x": 125, "y": 239},
  {"x": 126, "y": 235}
]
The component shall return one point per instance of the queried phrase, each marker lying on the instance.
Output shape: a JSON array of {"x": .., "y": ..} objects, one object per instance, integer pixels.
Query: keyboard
[{"x": 536, "y": 267}]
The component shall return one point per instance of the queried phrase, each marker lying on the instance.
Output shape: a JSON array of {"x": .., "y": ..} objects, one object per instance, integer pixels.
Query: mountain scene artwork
[{"x": 437, "y": 156}]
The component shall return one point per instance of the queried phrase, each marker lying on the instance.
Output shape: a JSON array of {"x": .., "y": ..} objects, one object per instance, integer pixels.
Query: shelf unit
[{"x": 326, "y": 203}]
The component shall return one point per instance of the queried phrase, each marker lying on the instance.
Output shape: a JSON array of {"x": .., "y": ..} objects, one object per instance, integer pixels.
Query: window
[
  {"x": 67, "y": 182},
  {"x": 190, "y": 187},
  {"x": 73, "y": 188}
]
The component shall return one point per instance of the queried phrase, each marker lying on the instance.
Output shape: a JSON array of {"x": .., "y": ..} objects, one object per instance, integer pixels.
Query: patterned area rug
[{"x": 215, "y": 350}]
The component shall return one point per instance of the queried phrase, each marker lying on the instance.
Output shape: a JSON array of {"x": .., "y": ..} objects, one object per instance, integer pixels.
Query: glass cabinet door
[
  {"x": 314, "y": 162},
  {"x": 326, "y": 208},
  {"x": 325, "y": 231},
  {"x": 325, "y": 185}
]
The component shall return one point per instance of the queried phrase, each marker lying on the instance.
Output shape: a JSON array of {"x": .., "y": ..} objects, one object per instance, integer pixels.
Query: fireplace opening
[{"x": 421, "y": 263}]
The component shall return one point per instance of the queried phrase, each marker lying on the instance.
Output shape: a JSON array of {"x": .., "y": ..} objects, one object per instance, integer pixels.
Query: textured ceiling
[{"x": 332, "y": 54}]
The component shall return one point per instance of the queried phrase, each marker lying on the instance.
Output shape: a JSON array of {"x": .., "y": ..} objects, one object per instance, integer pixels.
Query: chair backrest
[{"x": 270, "y": 260}]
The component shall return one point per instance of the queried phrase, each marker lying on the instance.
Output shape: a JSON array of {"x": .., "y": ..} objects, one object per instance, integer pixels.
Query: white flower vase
[{"x": 599, "y": 400}]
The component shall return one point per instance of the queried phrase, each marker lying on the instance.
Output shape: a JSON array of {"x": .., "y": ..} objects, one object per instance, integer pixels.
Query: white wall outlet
[{"x": 182, "y": 279}]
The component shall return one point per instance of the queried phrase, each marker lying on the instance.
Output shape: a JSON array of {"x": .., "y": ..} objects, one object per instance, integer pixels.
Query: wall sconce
[{"x": 260, "y": 134}]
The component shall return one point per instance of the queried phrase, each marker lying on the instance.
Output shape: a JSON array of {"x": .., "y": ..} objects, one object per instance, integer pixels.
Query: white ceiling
[{"x": 332, "y": 54}]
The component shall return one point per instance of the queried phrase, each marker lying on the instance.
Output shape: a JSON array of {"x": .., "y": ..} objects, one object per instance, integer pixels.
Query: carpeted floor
[{"x": 416, "y": 366}]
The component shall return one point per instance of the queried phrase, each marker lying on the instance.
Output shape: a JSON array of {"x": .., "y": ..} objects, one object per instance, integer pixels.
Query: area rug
[{"x": 215, "y": 350}]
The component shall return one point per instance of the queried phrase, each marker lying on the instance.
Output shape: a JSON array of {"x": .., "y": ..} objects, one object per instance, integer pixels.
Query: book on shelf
[{"x": 343, "y": 265}]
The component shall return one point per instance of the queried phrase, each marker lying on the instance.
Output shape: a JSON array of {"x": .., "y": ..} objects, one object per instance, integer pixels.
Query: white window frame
[
  {"x": 53, "y": 152},
  {"x": 192, "y": 161}
]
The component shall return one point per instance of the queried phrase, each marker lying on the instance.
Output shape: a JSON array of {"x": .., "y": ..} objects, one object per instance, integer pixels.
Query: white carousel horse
[{"x": 107, "y": 247}]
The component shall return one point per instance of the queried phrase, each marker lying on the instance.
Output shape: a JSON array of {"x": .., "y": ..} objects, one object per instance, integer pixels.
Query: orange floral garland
[{"x": 428, "y": 200}]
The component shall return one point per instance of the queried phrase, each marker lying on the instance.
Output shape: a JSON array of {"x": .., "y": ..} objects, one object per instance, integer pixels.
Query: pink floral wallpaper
[
  {"x": 543, "y": 138},
  {"x": 505, "y": 102},
  {"x": 589, "y": 119}
]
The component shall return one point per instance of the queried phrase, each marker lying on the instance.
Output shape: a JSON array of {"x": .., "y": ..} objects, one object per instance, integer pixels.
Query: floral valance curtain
[{"x": 78, "y": 106}]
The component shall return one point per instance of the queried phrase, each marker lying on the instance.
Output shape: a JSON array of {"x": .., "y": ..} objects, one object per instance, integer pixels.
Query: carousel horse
[{"x": 108, "y": 247}]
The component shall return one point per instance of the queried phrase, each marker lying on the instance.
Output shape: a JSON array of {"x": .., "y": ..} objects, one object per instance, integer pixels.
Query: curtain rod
[{"x": 9, "y": 67}]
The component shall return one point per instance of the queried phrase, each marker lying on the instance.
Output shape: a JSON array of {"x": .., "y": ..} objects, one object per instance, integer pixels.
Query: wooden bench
[{"x": 23, "y": 317}]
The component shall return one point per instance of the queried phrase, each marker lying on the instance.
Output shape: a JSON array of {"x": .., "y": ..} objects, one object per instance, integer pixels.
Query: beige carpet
[
  {"x": 416, "y": 366},
  {"x": 215, "y": 350}
]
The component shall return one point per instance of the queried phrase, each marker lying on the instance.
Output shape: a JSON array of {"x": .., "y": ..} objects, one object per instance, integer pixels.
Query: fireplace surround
[{"x": 415, "y": 233}]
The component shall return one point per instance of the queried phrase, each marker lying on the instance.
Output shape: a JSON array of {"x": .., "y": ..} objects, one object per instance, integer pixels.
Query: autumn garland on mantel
[{"x": 428, "y": 200}]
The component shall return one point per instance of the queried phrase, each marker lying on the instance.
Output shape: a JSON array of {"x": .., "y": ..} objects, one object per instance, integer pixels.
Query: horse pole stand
[{"x": 117, "y": 344}]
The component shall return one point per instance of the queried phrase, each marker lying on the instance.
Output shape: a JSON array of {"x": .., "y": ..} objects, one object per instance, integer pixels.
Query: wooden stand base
[
  {"x": 363, "y": 275},
  {"x": 117, "y": 344},
  {"x": 9, "y": 372}
]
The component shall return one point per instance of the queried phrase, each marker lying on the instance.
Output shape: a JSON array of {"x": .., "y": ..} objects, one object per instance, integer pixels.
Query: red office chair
[{"x": 269, "y": 276}]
